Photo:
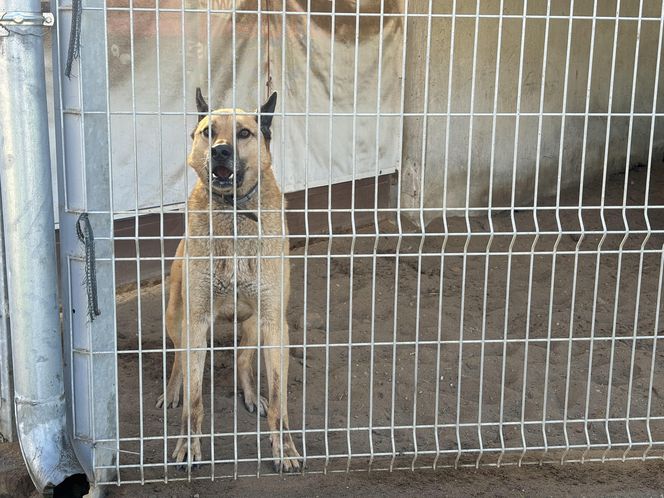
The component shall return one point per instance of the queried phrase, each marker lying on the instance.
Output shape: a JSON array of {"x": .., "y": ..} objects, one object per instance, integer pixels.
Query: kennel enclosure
[{"x": 476, "y": 229}]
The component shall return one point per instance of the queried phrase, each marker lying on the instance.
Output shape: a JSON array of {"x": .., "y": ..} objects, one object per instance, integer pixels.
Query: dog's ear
[
  {"x": 266, "y": 116},
  {"x": 201, "y": 105}
]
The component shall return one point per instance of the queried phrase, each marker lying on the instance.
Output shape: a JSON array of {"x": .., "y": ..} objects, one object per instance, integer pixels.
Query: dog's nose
[{"x": 222, "y": 152}]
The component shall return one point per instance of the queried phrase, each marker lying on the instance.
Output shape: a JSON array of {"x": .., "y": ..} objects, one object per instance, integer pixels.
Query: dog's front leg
[
  {"x": 173, "y": 322},
  {"x": 192, "y": 363},
  {"x": 245, "y": 369},
  {"x": 276, "y": 355}
]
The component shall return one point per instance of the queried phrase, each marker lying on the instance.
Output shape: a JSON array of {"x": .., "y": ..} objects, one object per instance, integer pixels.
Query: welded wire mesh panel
[{"x": 471, "y": 204}]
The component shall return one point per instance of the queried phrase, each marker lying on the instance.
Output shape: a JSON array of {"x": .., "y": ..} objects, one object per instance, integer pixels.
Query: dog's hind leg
[
  {"x": 285, "y": 455},
  {"x": 245, "y": 368},
  {"x": 173, "y": 323}
]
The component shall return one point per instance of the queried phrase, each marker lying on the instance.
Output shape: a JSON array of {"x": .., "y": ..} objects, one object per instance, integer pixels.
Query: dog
[{"x": 225, "y": 156}]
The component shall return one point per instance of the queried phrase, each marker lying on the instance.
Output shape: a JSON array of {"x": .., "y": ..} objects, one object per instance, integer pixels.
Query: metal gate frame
[{"x": 84, "y": 187}]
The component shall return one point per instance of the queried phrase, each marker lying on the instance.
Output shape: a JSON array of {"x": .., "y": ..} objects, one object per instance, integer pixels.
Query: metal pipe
[
  {"x": 25, "y": 180},
  {"x": 7, "y": 427}
]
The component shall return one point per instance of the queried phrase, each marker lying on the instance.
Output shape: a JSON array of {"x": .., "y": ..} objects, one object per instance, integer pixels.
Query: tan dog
[{"x": 225, "y": 156}]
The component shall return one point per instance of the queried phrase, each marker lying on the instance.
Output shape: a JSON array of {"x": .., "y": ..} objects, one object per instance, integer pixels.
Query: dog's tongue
[{"x": 222, "y": 172}]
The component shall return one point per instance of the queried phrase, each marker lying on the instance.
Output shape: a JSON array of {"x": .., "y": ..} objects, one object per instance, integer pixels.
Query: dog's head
[{"x": 228, "y": 146}]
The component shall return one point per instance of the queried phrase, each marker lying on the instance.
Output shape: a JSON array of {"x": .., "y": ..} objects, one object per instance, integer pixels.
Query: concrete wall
[{"x": 469, "y": 169}]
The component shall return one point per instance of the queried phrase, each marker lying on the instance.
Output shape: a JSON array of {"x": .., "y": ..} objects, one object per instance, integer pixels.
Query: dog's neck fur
[
  {"x": 245, "y": 202},
  {"x": 239, "y": 202}
]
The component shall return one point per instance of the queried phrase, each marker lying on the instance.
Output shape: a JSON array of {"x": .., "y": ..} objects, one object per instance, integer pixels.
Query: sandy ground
[
  {"x": 525, "y": 373},
  {"x": 590, "y": 480}
]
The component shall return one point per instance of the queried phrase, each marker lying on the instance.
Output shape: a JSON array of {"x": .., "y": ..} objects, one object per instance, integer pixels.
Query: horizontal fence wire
[{"x": 470, "y": 272}]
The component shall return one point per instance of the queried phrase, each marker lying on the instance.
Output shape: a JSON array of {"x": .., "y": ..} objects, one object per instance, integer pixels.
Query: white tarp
[{"x": 153, "y": 81}]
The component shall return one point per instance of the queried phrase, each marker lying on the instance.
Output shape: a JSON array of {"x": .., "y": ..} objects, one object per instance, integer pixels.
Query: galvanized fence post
[
  {"x": 7, "y": 427},
  {"x": 29, "y": 230}
]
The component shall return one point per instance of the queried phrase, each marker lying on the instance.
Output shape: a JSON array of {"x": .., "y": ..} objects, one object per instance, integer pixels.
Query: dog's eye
[
  {"x": 244, "y": 133},
  {"x": 206, "y": 132}
]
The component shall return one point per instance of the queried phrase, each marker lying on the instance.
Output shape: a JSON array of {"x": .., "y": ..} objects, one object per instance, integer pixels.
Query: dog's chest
[
  {"x": 228, "y": 260},
  {"x": 236, "y": 275}
]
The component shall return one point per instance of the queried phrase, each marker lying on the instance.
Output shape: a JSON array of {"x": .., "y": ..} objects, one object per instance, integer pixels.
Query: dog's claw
[
  {"x": 183, "y": 467},
  {"x": 173, "y": 401},
  {"x": 288, "y": 465},
  {"x": 181, "y": 452},
  {"x": 250, "y": 404},
  {"x": 290, "y": 461}
]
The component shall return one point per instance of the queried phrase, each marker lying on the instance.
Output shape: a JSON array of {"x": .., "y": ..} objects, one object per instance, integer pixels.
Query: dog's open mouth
[{"x": 223, "y": 177}]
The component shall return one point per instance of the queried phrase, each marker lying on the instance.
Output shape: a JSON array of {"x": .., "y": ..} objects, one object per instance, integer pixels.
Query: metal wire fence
[{"x": 474, "y": 232}]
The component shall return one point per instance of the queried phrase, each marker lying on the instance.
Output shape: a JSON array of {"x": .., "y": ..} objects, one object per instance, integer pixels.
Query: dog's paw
[
  {"x": 173, "y": 401},
  {"x": 250, "y": 403},
  {"x": 289, "y": 459},
  {"x": 182, "y": 450}
]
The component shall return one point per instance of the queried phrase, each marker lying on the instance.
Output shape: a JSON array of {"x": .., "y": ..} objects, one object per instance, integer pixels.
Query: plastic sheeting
[{"x": 316, "y": 61}]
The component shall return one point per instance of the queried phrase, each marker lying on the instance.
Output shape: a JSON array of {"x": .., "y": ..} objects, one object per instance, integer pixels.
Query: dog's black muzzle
[{"x": 226, "y": 169}]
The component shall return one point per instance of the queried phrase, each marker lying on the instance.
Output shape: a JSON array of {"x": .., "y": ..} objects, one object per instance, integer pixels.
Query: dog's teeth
[{"x": 230, "y": 177}]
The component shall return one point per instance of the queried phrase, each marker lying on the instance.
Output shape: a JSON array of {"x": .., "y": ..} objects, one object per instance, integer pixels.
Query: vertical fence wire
[
  {"x": 496, "y": 84},
  {"x": 137, "y": 241},
  {"x": 580, "y": 202},
  {"x": 554, "y": 255},
  {"x": 635, "y": 325},
  {"x": 425, "y": 123},
  {"x": 450, "y": 74},
  {"x": 351, "y": 262},
  {"x": 328, "y": 261},
  {"x": 515, "y": 151},
  {"x": 618, "y": 269},
  {"x": 376, "y": 223},
  {"x": 653, "y": 120},
  {"x": 162, "y": 246},
  {"x": 259, "y": 267},
  {"x": 305, "y": 283},
  {"x": 553, "y": 275},
  {"x": 186, "y": 386}
]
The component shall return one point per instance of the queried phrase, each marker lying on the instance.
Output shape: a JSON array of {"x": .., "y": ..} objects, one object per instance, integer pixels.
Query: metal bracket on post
[{"x": 18, "y": 18}]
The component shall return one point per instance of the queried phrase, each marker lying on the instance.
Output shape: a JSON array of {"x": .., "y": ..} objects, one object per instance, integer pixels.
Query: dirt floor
[
  {"x": 482, "y": 338},
  {"x": 589, "y": 480}
]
